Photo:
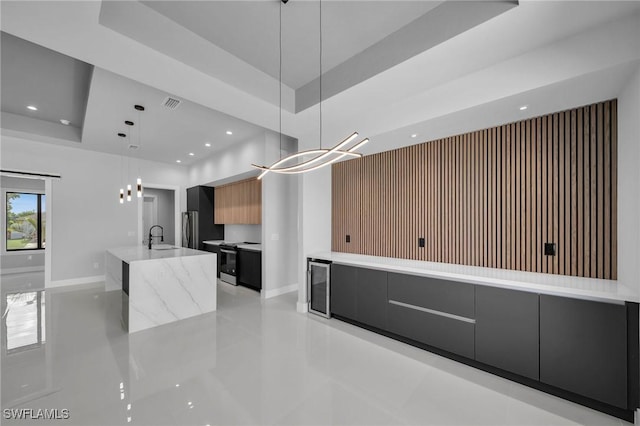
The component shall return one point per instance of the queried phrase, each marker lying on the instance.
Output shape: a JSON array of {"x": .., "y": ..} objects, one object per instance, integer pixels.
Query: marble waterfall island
[{"x": 161, "y": 286}]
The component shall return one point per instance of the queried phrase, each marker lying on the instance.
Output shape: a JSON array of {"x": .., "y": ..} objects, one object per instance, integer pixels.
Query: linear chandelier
[
  {"x": 323, "y": 157},
  {"x": 315, "y": 162}
]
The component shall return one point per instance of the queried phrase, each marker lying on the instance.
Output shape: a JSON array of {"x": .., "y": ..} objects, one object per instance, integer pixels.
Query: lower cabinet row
[{"x": 588, "y": 349}]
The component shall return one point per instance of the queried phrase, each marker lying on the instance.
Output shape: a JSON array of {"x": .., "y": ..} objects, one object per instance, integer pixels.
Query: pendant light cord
[
  {"x": 280, "y": 78},
  {"x": 320, "y": 73}
]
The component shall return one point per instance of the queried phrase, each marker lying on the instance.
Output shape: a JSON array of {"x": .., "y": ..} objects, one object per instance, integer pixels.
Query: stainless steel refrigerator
[{"x": 190, "y": 230}]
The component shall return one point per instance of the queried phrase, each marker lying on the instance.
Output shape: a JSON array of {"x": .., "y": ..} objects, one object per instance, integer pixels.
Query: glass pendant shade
[
  {"x": 128, "y": 192},
  {"x": 139, "y": 187},
  {"x": 121, "y": 195}
]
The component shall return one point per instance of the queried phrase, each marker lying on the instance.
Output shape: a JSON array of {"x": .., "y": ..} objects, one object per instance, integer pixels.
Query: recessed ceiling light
[
  {"x": 128, "y": 123},
  {"x": 523, "y": 107},
  {"x": 207, "y": 144},
  {"x": 32, "y": 108},
  {"x": 229, "y": 132},
  {"x": 414, "y": 135},
  {"x": 178, "y": 161},
  {"x": 122, "y": 135},
  {"x": 65, "y": 122},
  {"x": 191, "y": 154}
]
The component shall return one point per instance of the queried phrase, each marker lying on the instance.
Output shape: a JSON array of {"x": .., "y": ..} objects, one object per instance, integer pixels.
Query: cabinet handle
[{"x": 431, "y": 311}]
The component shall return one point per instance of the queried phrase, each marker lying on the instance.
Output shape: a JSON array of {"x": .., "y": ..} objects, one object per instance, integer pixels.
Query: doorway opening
[{"x": 160, "y": 205}]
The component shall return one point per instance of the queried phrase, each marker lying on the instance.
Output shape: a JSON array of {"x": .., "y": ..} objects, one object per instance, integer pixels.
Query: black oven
[{"x": 228, "y": 256}]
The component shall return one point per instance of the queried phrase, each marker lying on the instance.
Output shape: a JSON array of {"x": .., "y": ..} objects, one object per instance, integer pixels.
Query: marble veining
[
  {"x": 561, "y": 285},
  {"x": 164, "y": 286},
  {"x": 165, "y": 290}
]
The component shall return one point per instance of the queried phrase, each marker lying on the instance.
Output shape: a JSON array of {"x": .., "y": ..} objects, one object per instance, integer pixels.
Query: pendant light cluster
[
  {"x": 128, "y": 194},
  {"x": 322, "y": 157}
]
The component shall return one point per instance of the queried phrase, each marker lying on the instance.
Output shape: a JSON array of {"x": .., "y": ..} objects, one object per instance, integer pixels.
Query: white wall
[
  {"x": 227, "y": 163},
  {"x": 629, "y": 182},
  {"x": 33, "y": 260},
  {"x": 86, "y": 217},
  {"x": 279, "y": 223},
  {"x": 166, "y": 214}
]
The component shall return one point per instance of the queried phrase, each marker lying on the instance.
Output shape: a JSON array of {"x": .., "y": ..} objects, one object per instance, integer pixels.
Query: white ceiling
[
  {"x": 533, "y": 51},
  {"x": 250, "y": 30},
  {"x": 56, "y": 84},
  {"x": 162, "y": 134}
]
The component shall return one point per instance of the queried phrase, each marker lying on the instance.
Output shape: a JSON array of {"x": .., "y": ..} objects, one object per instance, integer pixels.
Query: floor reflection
[
  {"x": 23, "y": 320},
  {"x": 253, "y": 361}
]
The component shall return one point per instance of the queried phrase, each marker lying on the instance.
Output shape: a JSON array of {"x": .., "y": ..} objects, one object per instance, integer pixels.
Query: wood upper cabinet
[{"x": 239, "y": 203}]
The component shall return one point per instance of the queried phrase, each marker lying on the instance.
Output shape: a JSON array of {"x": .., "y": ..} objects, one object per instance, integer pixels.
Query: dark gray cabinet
[
  {"x": 507, "y": 330},
  {"x": 359, "y": 294},
  {"x": 214, "y": 249},
  {"x": 434, "y": 312},
  {"x": 344, "y": 288},
  {"x": 201, "y": 199},
  {"x": 583, "y": 348},
  {"x": 371, "y": 294},
  {"x": 250, "y": 268}
]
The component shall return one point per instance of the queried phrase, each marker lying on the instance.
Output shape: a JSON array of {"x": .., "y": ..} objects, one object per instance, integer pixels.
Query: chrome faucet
[{"x": 151, "y": 235}]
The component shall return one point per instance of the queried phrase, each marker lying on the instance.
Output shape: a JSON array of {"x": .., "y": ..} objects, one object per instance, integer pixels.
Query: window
[{"x": 25, "y": 221}]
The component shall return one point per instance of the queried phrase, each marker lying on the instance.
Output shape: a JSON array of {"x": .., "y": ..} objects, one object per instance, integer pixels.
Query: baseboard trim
[
  {"x": 22, "y": 270},
  {"x": 302, "y": 307},
  {"x": 76, "y": 281},
  {"x": 268, "y": 294}
]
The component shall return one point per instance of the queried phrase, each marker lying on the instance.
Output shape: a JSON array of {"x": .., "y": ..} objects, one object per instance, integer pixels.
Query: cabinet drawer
[
  {"x": 438, "y": 295},
  {"x": 449, "y": 334}
]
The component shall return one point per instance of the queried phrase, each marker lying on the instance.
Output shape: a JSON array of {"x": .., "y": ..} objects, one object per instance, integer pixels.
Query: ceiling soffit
[
  {"x": 380, "y": 35},
  {"x": 56, "y": 84}
]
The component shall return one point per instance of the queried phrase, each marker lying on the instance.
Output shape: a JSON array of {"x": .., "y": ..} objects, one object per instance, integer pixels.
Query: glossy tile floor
[{"x": 251, "y": 362}]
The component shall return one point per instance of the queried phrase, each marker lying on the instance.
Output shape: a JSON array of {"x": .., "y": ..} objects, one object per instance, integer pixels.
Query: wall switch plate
[
  {"x": 549, "y": 249},
  {"x": 421, "y": 242},
  {"x": 96, "y": 265},
  {"x": 348, "y": 239},
  {"x": 131, "y": 233},
  {"x": 275, "y": 237}
]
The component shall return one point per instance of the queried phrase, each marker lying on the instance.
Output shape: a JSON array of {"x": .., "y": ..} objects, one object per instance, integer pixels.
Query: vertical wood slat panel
[
  {"x": 600, "y": 190},
  {"x": 607, "y": 191},
  {"x": 527, "y": 225},
  {"x": 559, "y": 260},
  {"x": 593, "y": 175},
  {"x": 490, "y": 197},
  {"x": 555, "y": 184},
  {"x": 517, "y": 230},
  {"x": 574, "y": 195},
  {"x": 614, "y": 189}
]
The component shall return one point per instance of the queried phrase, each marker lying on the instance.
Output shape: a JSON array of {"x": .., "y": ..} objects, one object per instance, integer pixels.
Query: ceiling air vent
[{"x": 171, "y": 103}]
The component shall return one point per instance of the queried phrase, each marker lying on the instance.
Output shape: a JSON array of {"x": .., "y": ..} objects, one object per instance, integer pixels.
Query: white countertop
[
  {"x": 252, "y": 247},
  {"x": 138, "y": 253},
  {"x": 213, "y": 242},
  {"x": 561, "y": 285}
]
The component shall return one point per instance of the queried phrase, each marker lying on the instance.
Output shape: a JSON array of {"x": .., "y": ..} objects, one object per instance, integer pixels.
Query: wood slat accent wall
[
  {"x": 238, "y": 203},
  {"x": 492, "y": 197}
]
